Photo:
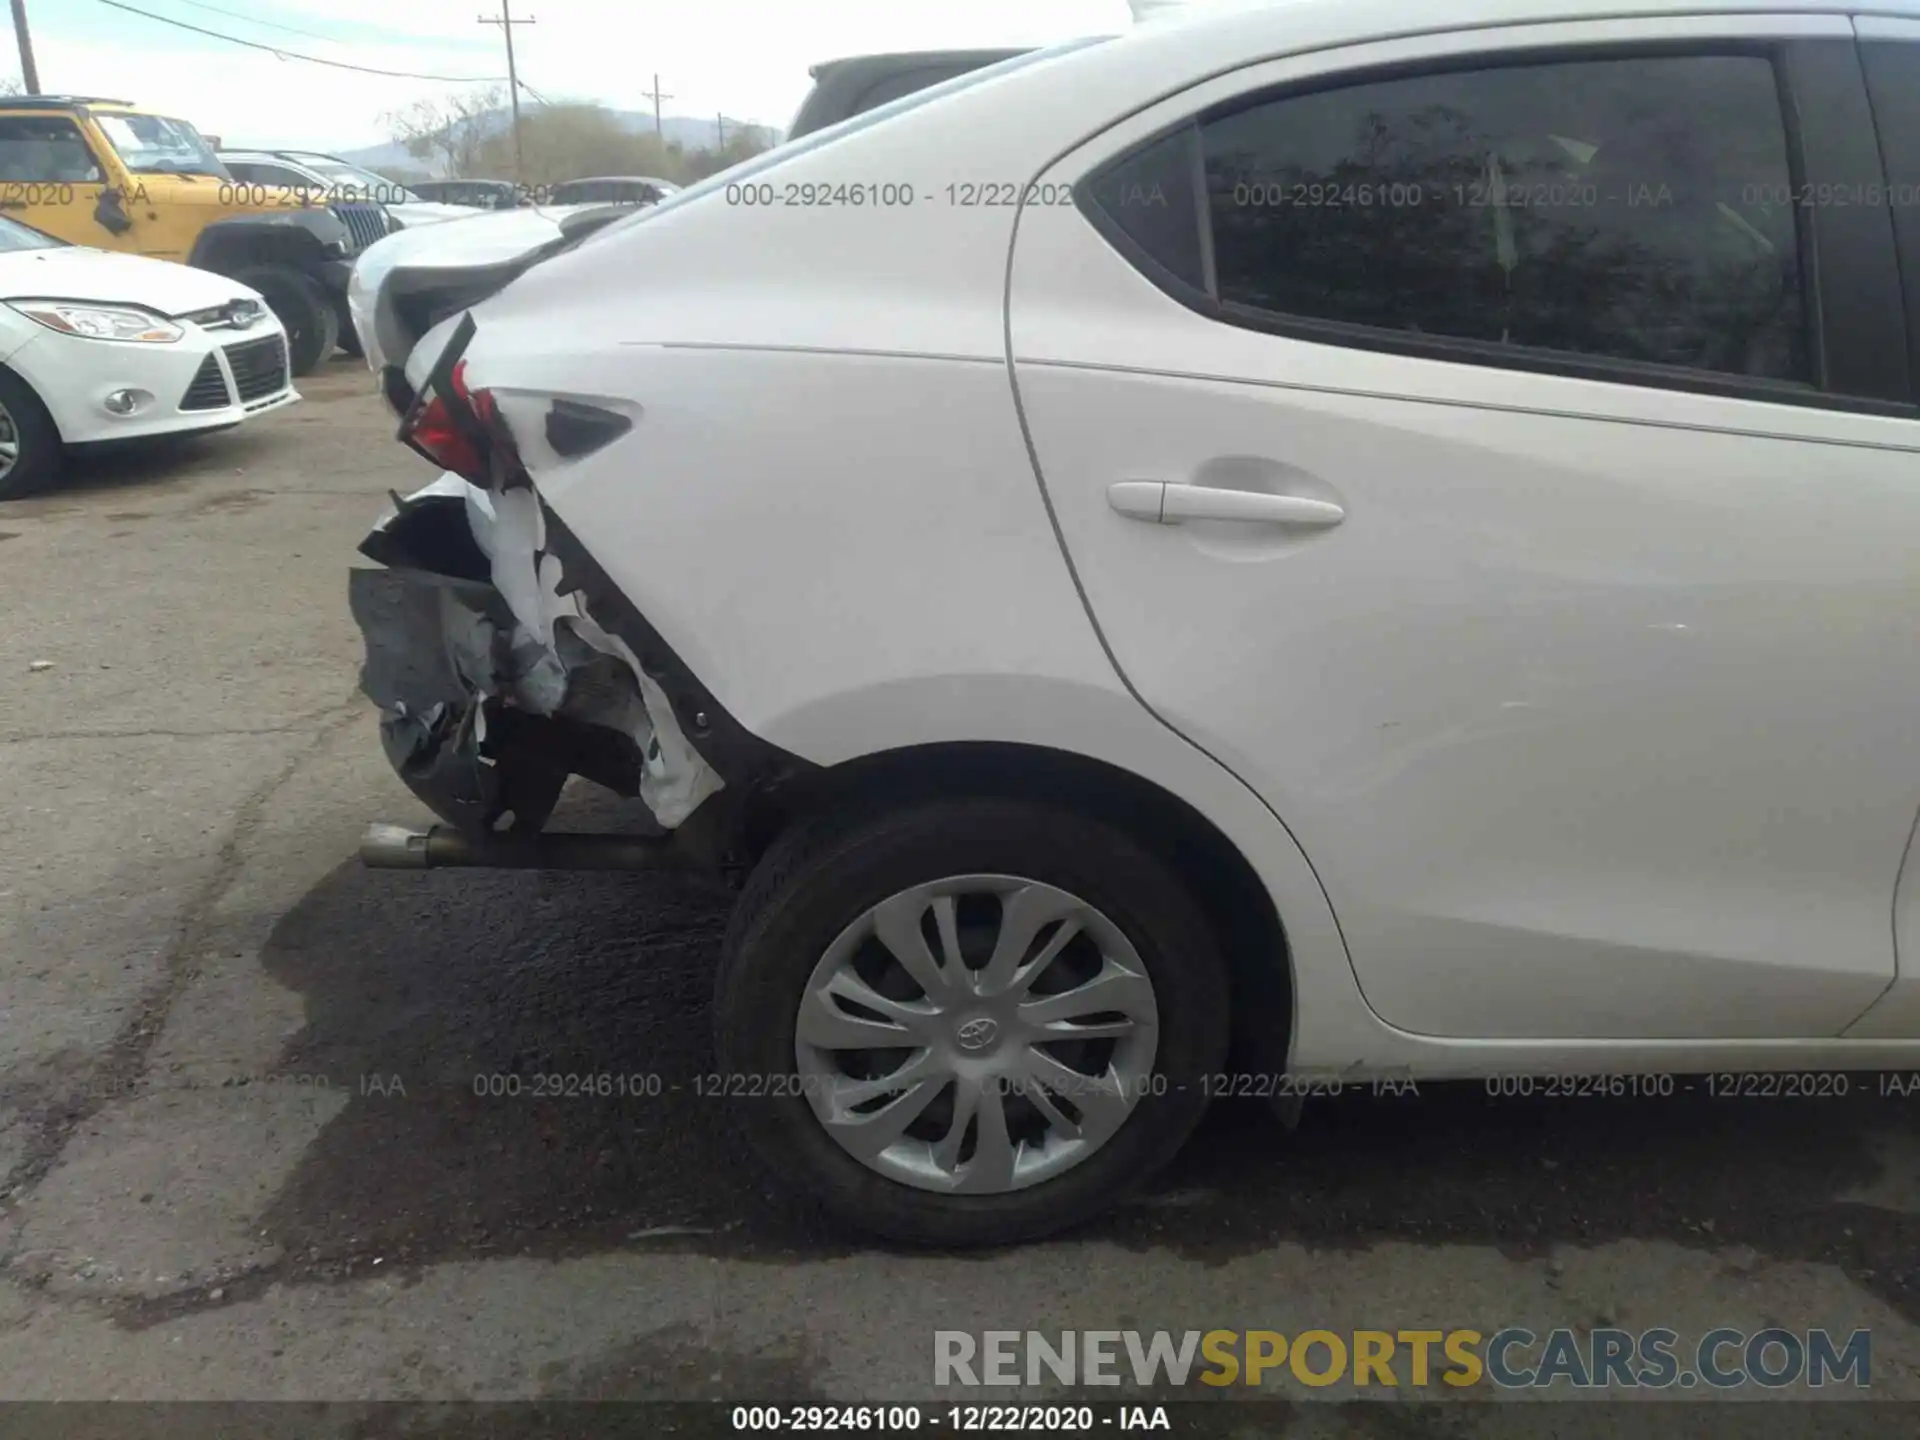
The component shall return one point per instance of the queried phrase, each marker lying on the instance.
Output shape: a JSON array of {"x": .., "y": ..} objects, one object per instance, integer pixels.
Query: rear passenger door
[
  {"x": 1543, "y": 402},
  {"x": 1890, "y": 56}
]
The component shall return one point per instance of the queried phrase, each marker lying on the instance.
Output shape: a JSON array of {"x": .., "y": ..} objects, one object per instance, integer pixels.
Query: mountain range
[{"x": 679, "y": 130}]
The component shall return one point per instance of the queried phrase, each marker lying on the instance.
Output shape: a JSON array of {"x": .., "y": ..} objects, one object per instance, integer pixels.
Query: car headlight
[{"x": 100, "y": 322}]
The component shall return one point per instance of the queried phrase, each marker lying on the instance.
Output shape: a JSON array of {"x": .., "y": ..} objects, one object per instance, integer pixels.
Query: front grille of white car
[
  {"x": 209, "y": 388},
  {"x": 259, "y": 367},
  {"x": 259, "y": 371}
]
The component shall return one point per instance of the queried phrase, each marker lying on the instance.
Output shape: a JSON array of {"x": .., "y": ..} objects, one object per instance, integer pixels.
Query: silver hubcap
[
  {"x": 977, "y": 1035},
  {"x": 9, "y": 442}
]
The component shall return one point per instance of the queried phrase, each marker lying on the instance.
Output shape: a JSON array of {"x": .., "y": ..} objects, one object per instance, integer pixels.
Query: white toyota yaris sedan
[
  {"x": 97, "y": 346},
  {"x": 1391, "y": 538}
]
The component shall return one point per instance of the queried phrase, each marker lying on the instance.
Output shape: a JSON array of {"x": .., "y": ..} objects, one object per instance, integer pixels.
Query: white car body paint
[
  {"x": 415, "y": 213},
  {"x": 829, "y": 509},
  {"x": 484, "y": 237},
  {"x": 103, "y": 277},
  {"x": 1593, "y": 590},
  {"x": 74, "y": 374},
  {"x": 1899, "y": 1013}
]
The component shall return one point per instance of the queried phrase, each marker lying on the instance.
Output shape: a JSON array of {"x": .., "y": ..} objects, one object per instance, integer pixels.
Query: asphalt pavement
[{"x": 258, "y": 1128}]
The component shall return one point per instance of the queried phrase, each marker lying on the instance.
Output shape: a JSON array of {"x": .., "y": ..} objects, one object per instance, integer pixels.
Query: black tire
[
  {"x": 42, "y": 456},
  {"x": 819, "y": 877},
  {"x": 349, "y": 341},
  {"x": 312, "y": 324}
]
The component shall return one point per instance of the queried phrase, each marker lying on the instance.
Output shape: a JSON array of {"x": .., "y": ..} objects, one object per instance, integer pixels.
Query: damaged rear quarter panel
[
  {"x": 529, "y": 576},
  {"x": 802, "y": 529},
  {"x": 825, "y": 505},
  {"x": 825, "y": 490},
  {"x": 469, "y": 623}
]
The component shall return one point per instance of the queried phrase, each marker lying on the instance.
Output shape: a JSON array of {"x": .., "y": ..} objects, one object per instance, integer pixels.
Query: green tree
[
  {"x": 573, "y": 141},
  {"x": 742, "y": 144},
  {"x": 567, "y": 142},
  {"x": 469, "y": 136}
]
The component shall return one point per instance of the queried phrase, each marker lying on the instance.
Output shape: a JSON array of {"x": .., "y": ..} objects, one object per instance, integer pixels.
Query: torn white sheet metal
[
  {"x": 511, "y": 532},
  {"x": 675, "y": 778}
]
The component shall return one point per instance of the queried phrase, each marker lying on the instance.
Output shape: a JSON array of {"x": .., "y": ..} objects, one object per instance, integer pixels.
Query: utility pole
[
  {"x": 506, "y": 22},
  {"x": 720, "y": 130},
  {"x": 29, "y": 72},
  {"x": 658, "y": 132}
]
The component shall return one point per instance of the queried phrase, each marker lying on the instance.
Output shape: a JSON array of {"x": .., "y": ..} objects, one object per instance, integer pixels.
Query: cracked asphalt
[{"x": 250, "y": 1151}]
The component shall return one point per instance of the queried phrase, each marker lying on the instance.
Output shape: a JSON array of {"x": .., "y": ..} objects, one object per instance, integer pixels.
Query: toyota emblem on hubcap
[{"x": 977, "y": 1033}]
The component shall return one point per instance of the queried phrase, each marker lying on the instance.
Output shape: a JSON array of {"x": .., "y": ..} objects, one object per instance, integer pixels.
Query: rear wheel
[
  {"x": 30, "y": 451},
  {"x": 967, "y": 1022},
  {"x": 304, "y": 309}
]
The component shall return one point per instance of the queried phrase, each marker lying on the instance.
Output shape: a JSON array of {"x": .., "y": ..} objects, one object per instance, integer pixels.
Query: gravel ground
[{"x": 244, "y": 1156}]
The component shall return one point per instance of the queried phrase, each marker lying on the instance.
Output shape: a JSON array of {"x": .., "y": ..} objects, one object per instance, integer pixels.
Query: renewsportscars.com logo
[{"x": 1511, "y": 1359}]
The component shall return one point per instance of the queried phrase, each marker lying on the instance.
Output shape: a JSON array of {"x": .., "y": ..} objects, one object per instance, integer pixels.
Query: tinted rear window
[{"x": 1636, "y": 208}]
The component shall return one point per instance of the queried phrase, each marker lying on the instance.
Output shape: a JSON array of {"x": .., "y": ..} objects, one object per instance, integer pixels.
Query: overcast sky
[{"x": 748, "y": 58}]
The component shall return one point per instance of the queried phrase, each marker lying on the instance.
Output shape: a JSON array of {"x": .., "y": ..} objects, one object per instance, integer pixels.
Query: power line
[
  {"x": 277, "y": 52},
  {"x": 268, "y": 24},
  {"x": 276, "y": 25}
]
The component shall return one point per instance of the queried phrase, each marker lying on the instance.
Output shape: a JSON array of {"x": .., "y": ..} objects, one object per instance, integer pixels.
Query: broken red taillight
[
  {"x": 457, "y": 426},
  {"x": 436, "y": 432}
]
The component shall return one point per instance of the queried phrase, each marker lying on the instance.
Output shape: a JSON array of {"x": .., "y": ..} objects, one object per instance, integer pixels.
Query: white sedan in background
[{"x": 96, "y": 346}]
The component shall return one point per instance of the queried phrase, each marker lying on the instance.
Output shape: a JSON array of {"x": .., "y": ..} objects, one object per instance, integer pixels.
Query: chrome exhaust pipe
[{"x": 394, "y": 847}]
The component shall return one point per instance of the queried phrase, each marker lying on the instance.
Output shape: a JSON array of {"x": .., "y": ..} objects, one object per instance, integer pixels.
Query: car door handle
[{"x": 1167, "y": 504}]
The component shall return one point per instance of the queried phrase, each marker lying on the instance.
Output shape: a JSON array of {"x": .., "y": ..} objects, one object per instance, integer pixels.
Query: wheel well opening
[
  {"x": 1246, "y": 925},
  {"x": 18, "y": 379}
]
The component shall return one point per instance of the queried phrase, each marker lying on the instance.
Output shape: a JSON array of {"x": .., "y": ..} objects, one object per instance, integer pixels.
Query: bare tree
[
  {"x": 10, "y": 85},
  {"x": 450, "y": 133}
]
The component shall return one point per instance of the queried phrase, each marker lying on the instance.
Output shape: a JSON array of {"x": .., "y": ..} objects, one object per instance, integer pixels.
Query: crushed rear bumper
[{"x": 503, "y": 661}]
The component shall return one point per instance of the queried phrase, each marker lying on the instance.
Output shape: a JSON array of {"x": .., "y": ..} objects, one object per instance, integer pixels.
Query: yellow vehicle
[{"x": 107, "y": 174}]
